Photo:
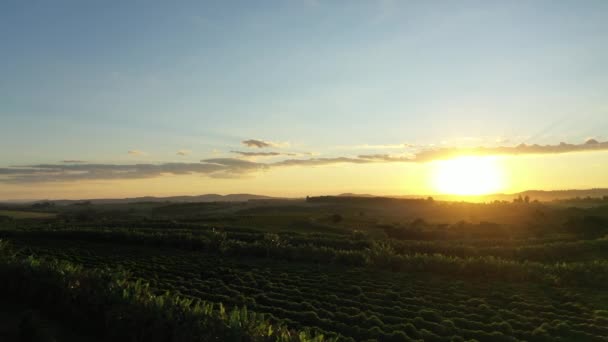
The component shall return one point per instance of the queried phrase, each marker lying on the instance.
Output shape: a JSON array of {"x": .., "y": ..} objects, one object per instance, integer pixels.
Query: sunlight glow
[{"x": 469, "y": 175}]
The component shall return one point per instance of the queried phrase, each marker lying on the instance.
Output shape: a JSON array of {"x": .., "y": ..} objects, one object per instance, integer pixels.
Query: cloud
[
  {"x": 256, "y": 143},
  {"x": 73, "y": 161},
  {"x": 384, "y": 158},
  {"x": 76, "y": 172},
  {"x": 234, "y": 167},
  {"x": 182, "y": 152},
  {"x": 320, "y": 161},
  {"x": 272, "y": 154},
  {"x": 136, "y": 152},
  {"x": 521, "y": 149},
  {"x": 232, "y": 162},
  {"x": 12, "y": 171},
  {"x": 260, "y": 154},
  {"x": 213, "y": 167}
]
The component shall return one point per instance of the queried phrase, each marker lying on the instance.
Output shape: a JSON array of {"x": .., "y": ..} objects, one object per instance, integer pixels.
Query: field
[
  {"x": 349, "y": 269},
  {"x": 18, "y": 214}
]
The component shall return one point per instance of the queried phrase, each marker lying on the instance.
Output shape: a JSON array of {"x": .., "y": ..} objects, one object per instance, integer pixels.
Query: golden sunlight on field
[{"x": 468, "y": 175}]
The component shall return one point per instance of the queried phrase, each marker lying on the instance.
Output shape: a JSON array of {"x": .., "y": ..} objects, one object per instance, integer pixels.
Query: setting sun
[{"x": 468, "y": 176}]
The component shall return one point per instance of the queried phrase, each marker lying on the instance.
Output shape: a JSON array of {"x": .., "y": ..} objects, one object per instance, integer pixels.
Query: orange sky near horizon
[{"x": 580, "y": 170}]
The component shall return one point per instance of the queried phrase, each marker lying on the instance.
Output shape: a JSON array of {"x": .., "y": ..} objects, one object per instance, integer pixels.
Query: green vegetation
[
  {"x": 111, "y": 306},
  {"x": 364, "y": 271},
  {"x": 18, "y": 214}
]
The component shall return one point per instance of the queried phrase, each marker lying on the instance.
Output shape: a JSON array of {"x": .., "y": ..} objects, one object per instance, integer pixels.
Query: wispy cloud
[
  {"x": 235, "y": 167},
  {"x": 73, "y": 161},
  {"x": 183, "y": 152},
  {"x": 136, "y": 152},
  {"x": 385, "y": 158},
  {"x": 257, "y": 154},
  {"x": 232, "y": 167},
  {"x": 256, "y": 143},
  {"x": 214, "y": 167},
  {"x": 522, "y": 149},
  {"x": 320, "y": 161},
  {"x": 271, "y": 154},
  {"x": 75, "y": 172}
]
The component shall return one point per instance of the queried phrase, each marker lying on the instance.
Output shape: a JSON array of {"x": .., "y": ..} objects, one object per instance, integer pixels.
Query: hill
[{"x": 174, "y": 199}]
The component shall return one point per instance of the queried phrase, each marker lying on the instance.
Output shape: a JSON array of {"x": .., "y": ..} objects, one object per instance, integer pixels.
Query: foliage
[
  {"x": 436, "y": 301},
  {"x": 110, "y": 304}
]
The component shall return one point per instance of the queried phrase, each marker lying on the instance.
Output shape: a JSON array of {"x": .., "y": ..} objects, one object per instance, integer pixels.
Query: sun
[{"x": 468, "y": 176}]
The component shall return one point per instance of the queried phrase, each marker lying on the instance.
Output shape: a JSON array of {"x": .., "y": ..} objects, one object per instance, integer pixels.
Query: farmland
[
  {"x": 21, "y": 214},
  {"x": 351, "y": 269}
]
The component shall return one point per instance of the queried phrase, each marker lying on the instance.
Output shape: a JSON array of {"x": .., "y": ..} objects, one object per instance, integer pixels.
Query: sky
[{"x": 294, "y": 98}]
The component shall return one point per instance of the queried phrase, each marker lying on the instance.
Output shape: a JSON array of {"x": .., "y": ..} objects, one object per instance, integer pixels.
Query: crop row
[
  {"x": 541, "y": 250},
  {"x": 108, "y": 305},
  {"x": 355, "y": 303},
  {"x": 380, "y": 254}
]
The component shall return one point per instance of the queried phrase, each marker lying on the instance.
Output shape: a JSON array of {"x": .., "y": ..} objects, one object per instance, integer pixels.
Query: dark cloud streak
[{"x": 257, "y": 143}]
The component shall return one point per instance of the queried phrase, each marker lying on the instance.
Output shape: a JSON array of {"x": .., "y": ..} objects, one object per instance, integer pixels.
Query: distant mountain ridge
[
  {"x": 174, "y": 199},
  {"x": 541, "y": 195}
]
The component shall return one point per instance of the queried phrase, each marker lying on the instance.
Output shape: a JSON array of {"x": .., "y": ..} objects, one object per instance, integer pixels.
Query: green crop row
[
  {"x": 354, "y": 303},
  {"x": 379, "y": 255},
  {"x": 108, "y": 304}
]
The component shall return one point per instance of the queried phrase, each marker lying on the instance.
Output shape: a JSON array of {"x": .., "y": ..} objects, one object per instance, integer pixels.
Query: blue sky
[{"x": 92, "y": 80}]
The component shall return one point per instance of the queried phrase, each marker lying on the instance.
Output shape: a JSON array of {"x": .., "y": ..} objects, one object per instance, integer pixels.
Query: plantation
[{"x": 454, "y": 282}]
